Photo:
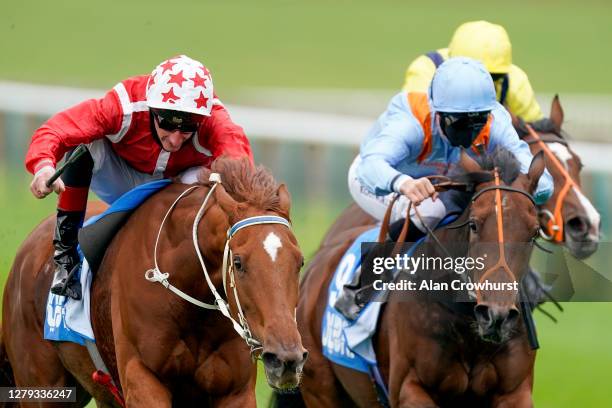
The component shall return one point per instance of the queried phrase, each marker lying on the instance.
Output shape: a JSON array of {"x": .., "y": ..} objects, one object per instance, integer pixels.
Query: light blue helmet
[{"x": 462, "y": 84}]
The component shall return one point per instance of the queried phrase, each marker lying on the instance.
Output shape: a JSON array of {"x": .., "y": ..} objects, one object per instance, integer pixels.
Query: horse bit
[{"x": 155, "y": 275}]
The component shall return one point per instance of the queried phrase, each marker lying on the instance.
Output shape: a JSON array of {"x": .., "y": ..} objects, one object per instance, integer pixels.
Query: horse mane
[
  {"x": 507, "y": 164},
  {"x": 544, "y": 125},
  {"x": 245, "y": 182}
]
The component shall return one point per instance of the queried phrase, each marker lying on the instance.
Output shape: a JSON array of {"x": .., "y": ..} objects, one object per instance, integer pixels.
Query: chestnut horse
[
  {"x": 432, "y": 353},
  {"x": 161, "y": 349},
  {"x": 567, "y": 218}
]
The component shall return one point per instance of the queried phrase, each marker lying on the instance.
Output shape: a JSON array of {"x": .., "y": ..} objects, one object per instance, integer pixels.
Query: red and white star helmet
[{"x": 181, "y": 84}]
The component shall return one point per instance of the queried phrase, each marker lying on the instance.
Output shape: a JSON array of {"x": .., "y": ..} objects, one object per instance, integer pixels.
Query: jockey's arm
[
  {"x": 222, "y": 136},
  {"x": 521, "y": 99},
  {"x": 504, "y": 135},
  {"x": 81, "y": 124},
  {"x": 395, "y": 137}
]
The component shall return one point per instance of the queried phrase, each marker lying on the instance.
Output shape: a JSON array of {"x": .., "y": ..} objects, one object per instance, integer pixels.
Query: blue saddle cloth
[
  {"x": 349, "y": 343},
  {"x": 67, "y": 319},
  {"x": 345, "y": 342}
]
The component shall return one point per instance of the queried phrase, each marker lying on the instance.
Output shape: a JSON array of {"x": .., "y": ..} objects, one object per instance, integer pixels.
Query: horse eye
[{"x": 237, "y": 263}]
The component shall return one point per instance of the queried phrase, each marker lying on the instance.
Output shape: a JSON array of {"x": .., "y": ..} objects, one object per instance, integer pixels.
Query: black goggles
[
  {"x": 462, "y": 128},
  {"x": 464, "y": 121},
  {"x": 171, "y": 121}
]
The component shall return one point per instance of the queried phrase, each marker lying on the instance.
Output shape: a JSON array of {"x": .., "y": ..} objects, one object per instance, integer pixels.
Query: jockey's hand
[
  {"x": 418, "y": 190},
  {"x": 38, "y": 186}
]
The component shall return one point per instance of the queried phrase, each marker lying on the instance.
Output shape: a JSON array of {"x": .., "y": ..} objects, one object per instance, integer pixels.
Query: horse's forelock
[
  {"x": 507, "y": 164},
  {"x": 246, "y": 183}
]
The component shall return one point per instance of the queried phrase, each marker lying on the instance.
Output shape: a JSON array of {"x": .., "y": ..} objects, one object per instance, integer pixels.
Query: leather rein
[
  {"x": 446, "y": 184},
  {"x": 155, "y": 275},
  {"x": 554, "y": 225}
]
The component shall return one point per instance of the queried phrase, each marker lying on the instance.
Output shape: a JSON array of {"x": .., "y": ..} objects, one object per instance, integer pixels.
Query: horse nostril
[
  {"x": 513, "y": 314},
  {"x": 483, "y": 314},
  {"x": 578, "y": 226},
  {"x": 305, "y": 356},
  {"x": 271, "y": 360}
]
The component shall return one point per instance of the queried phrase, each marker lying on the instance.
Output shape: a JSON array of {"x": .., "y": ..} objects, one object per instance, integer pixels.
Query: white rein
[{"x": 155, "y": 275}]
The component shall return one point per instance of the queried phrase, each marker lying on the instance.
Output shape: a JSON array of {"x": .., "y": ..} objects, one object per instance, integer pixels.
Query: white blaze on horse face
[
  {"x": 505, "y": 201},
  {"x": 272, "y": 244},
  {"x": 562, "y": 153},
  {"x": 592, "y": 214}
]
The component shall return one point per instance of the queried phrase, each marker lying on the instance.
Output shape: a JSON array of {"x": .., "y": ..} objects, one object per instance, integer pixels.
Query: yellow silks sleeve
[
  {"x": 521, "y": 98},
  {"x": 420, "y": 73}
]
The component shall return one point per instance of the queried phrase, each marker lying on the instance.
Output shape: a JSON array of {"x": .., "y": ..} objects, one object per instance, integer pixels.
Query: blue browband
[{"x": 260, "y": 219}]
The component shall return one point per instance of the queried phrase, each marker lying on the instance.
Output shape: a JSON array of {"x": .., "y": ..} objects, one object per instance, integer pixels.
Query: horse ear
[
  {"x": 467, "y": 163},
  {"x": 556, "y": 113},
  {"x": 226, "y": 202},
  {"x": 536, "y": 168},
  {"x": 284, "y": 198}
]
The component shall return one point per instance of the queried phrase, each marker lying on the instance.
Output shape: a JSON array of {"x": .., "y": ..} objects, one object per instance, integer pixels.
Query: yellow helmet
[{"x": 486, "y": 42}]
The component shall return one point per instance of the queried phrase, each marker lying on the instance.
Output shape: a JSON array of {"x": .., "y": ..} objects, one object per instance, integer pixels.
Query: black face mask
[{"x": 461, "y": 129}]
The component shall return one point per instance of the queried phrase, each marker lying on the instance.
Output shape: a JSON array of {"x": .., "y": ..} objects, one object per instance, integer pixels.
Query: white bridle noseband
[{"x": 155, "y": 275}]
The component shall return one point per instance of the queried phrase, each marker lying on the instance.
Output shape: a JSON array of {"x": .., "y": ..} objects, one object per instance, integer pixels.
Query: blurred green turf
[
  {"x": 563, "y": 45},
  {"x": 573, "y": 365}
]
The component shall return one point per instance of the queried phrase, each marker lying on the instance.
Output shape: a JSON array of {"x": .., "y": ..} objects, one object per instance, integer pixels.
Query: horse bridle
[
  {"x": 554, "y": 225},
  {"x": 501, "y": 262},
  {"x": 447, "y": 183},
  {"x": 241, "y": 325}
]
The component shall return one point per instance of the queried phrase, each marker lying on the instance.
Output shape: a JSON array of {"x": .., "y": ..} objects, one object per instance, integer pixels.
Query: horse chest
[
  {"x": 456, "y": 377},
  {"x": 208, "y": 368}
]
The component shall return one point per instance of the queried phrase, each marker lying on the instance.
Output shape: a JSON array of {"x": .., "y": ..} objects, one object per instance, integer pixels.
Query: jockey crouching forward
[
  {"x": 423, "y": 134},
  {"x": 149, "y": 127}
]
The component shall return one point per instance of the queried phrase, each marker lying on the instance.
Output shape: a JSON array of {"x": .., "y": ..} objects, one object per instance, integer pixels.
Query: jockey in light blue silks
[{"x": 423, "y": 134}]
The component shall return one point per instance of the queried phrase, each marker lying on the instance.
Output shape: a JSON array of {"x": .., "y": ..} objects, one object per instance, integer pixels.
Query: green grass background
[{"x": 563, "y": 45}]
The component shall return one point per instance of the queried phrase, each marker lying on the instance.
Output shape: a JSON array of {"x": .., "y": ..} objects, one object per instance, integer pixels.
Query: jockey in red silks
[{"x": 169, "y": 123}]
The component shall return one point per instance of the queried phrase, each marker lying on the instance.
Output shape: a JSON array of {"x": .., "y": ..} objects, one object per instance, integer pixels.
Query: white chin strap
[{"x": 155, "y": 275}]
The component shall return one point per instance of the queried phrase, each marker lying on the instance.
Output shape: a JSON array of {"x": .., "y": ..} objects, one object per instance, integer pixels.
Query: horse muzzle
[
  {"x": 496, "y": 323},
  {"x": 284, "y": 367},
  {"x": 581, "y": 236}
]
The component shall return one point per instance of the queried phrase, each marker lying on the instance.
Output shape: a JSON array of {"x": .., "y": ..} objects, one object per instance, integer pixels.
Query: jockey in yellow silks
[{"x": 488, "y": 43}]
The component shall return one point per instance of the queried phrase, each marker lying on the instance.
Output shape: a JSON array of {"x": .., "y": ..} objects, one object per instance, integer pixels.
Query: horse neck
[
  {"x": 178, "y": 236},
  {"x": 451, "y": 242}
]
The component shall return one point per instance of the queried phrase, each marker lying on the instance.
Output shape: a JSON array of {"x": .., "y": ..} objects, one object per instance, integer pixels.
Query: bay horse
[
  {"x": 162, "y": 350},
  {"x": 433, "y": 353},
  {"x": 568, "y": 218}
]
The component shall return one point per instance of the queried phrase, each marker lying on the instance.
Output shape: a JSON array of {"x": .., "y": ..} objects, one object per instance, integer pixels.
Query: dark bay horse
[
  {"x": 567, "y": 218},
  {"x": 161, "y": 349},
  {"x": 432, "y": 353}
]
